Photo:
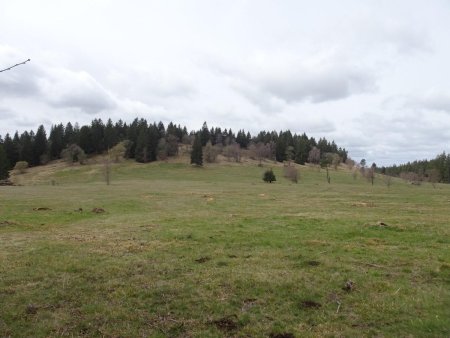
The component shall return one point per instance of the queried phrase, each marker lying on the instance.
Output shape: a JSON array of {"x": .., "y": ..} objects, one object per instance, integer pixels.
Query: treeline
[
  {"x": 146, "y": 142},
  {"x": 435, "y": 170}
]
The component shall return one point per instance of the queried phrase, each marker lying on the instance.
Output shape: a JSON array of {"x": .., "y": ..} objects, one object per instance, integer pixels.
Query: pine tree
[
  {"x": 12, "y": 151},
  {"x": 4, "y": 163},
  {"x": 269, "y": 176},
  {"x": 56, "y": 139},
  {"x": 39, "y": 146},
  {"x": 197, "y": 152}
]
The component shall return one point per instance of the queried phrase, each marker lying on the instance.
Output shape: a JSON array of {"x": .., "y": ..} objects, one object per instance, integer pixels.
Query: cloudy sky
[{"x": 372, "y": 75}]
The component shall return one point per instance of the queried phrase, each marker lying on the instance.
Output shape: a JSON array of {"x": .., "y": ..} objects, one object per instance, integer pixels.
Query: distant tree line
[
  {"x": 435, "y": 170},
  {"x": 147, "y": 142}
]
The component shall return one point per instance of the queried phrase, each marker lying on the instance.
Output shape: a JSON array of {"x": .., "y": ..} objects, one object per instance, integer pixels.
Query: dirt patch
[
  {"x": 6, "y": 182},
  {"x": 313, "y": 263},
  {"x": 203, "y": 259},
  {"x": 309, "y": 304},
  {"x": 363, "y": 204},
  {"x": 348, "y": 286},
  {"x": 41, "y": 209},
  {"x": 98, "y": 210},
  {"x": 232, "y": 256},
  {"x": 7, "y": 223},
  {"x": 228, "y": 323},
  {"x": 248, "y": 304},
  {"x": 31, "y": 309},
  {"x": 282, "y": 335}
]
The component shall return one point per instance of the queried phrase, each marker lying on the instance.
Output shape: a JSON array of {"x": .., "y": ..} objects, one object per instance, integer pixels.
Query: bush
[
  {"x": 269, "y": 176},
  {"x": 21, "y": 167},
  {"x": 73, "y": 153}
]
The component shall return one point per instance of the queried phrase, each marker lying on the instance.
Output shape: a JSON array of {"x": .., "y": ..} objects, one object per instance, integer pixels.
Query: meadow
[{"x": 179, "y": 251}]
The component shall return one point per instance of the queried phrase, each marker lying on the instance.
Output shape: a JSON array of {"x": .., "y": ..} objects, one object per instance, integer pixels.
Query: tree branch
[{"x": 18, "y": 64}]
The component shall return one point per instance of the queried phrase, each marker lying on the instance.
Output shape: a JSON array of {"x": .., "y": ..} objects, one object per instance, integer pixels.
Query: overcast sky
[{"x": 372, "y": 75}]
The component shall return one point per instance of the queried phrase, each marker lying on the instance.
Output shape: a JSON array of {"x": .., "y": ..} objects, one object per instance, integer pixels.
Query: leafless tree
[
  {"x": 259, "y": 151},
  {"x": 291, "y": 173},
  {"x": 233, "y": 151},
  {"x": 314, "y": 156},
  {"x": 210, "y": 153}
]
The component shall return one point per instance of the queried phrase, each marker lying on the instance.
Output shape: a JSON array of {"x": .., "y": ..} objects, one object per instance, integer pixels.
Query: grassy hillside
[{"x": 215, "y": 251}]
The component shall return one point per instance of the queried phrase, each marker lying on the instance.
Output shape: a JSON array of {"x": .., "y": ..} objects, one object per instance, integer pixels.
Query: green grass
[{"x": 215, "y": 251}]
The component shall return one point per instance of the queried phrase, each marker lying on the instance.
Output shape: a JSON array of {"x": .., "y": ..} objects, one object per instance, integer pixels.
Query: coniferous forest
[{"x": 147, "y": 142}]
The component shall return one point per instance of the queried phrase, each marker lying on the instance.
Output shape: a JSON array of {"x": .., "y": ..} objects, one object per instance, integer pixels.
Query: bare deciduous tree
[
  {"x": 210, "y": 153},
  {"x": 233, "y": 151},
  {"x": 291, "y": 173},
  {"x": 314, "y": 156}
]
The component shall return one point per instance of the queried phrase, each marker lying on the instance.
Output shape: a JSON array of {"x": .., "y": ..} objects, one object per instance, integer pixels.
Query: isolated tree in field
[
  {"x": 314, "y": 156},
  {"x": 325, "y": 162},
  {"x": 269, "y": 176},
  {"x": 291, "y": 173},
  {"x": 371, "y": 173},
  {"x": 197, "y": 152},
  {"x": 4, "y": 163}
]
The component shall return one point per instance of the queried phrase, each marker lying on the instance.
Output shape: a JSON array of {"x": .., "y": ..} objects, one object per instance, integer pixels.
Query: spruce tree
[
  {"x": 197, "y": 152},
  {"x": 39, "y": 145},
  {"x": 4, "y": 163}
]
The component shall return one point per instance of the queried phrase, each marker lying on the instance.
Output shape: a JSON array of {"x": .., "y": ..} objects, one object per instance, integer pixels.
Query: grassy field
[{"x": 216, "y": 252}]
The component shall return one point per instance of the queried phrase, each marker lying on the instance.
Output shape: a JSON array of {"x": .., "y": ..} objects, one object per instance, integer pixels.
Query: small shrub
[
  {"x": 21, "y": 167},
  {"x": 269, "y": 176}
]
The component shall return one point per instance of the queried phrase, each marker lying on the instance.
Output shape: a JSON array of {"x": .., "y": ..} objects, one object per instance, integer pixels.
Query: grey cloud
[
  {"x": 64, "y": 88},
  {"x": 285, "y": 79},
  {"x": 436, "y": 100},
  {"x": 319, "y": 86},
  {"x": 6, "y": 113}
]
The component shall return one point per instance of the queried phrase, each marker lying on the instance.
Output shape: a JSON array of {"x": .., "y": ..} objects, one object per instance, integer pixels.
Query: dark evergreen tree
[
  {"x": 152, "y": 142},
  {"x": 39, "y": 146},
  {"x": 204, "y": 134},
  {"x": 98, "y": 136},
  {"x": 86, "y": 140},
  {"x": 57, "y": 142},
  {"x": 12, "y": 151},
  {"x": 141, "y": 150},
  {"x": 111, "y": 135},
  {"x": 26, "y": 146},
  {"x": 269, "y": 176},
  {"x": 4, "y": 163},
  {"x": 197, "y": 151},
  {"x": 69, "y": 135}
]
